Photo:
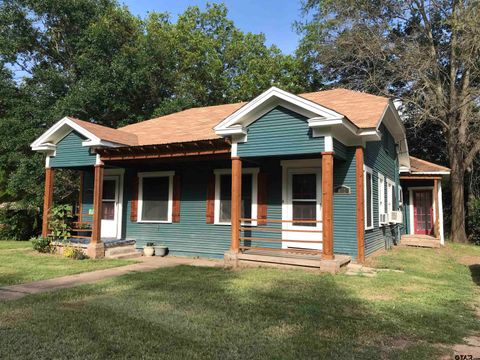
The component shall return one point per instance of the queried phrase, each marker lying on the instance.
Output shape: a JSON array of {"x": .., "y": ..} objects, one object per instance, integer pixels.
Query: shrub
[
  {"x": 473, "y": 220},
  {"x": 59, "y": 221},
  {"x": 73, "y": 252},
  {"x": 18, "y": 222},
  {"x": 41, "y": 244}
]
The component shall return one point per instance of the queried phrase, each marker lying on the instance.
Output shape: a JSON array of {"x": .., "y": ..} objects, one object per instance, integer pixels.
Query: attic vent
[{"x": 342, "y": 190}]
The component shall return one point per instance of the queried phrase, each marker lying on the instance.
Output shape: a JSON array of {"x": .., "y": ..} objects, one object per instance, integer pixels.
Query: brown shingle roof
[
  {"x": 187, "y": 125},
  {"x": 364, "y": 110},
  {"x": 419, "y": 165},
  {"x": 106, "y": 133}
]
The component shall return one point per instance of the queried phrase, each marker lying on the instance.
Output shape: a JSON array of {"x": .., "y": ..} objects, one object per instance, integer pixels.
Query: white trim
[
  {"x": 425, "y": 172},
  {"x": 245, "y": 171},
  {"x": 120, "y": 173},
  {"x": 328, "y": 141},
  {"x": 143, "y": 175},
  {"x": 440, "y": 210},
  {"x": 234, "y": 149},
  {"x": 366, "y": 170},
  {"x": 381, "y": 199},
  {"x": 47, "y": 162},
  {"x": 239, "y": 116},
  {"x": 390, "y": 189}
]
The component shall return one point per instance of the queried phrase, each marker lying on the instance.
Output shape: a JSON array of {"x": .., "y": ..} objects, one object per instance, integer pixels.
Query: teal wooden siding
[
  {"x": 280, "y": 132},
  {"x": 87, "y": 196},
  {"x": 344, "y": 206},
  {"x": 406, "y": 185},
  {"x": 71, "y": 153},
  {"x": 381, "y": 157},
  {"x": 341, "y": 151}
]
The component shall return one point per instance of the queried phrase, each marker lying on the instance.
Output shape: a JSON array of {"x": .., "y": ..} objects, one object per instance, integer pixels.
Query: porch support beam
[
  {"x": 95, "y": 248},
  {"x": 360, "y": 208},
  {"x": 327, "y": 204},
  {"x": 436, "y": 228},
  {"x": 48, "y": 199},
  {"x": 236, "y": 203}
]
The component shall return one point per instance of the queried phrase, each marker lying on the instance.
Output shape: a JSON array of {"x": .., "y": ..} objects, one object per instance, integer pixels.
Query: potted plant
[
  {"x": 149, "y": 249},
  {"x": 161, "y": 250}
]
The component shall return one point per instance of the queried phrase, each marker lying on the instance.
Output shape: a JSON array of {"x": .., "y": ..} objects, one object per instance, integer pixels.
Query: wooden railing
[
  {"x": 247, "y": 224},
  {"x": 76, "y": 229}
]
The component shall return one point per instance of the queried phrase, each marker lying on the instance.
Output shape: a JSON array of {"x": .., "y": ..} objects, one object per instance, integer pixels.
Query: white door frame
[
  {"x": 289, "y": 168},
  {"x": 118, "y": 175}
]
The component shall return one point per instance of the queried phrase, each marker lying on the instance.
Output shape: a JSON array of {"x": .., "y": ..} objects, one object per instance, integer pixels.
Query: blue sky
[{"x": 274, "y": 18}]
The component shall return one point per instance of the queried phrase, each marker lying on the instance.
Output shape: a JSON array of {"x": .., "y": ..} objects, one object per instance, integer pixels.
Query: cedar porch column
[
  {"x": 360, "y": 204},
  {"x": 327, "y": 204},
  {"x": 47, "y": 199},
  {"x": 436, "y": 228},
  {"x": 236, "y": 203},
  {"x": 95, "y": 248}
]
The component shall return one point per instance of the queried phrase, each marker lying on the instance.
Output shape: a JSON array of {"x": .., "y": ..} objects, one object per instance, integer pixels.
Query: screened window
[
  {"x": 368, "y": 198},
  {"x": 109, "y": 199},
  {"x": 226, "y": 197},
  {"x": 155, "y": 200},
  {"x": 391, "y": 196},
  {"x": 381, "y": 200},
  {"x": 304, "y": 198}
]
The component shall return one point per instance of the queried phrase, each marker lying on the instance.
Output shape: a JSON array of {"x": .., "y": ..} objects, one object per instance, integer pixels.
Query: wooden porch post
[
  {"x": 436, "y": 228},
  {"x": 327, "y": 204},
  {"x": 95, "y": 248},
  {"x": 360, "y": 204},
  {"x": 236, "y": 203},
  {"x": 48, "y": 199}
]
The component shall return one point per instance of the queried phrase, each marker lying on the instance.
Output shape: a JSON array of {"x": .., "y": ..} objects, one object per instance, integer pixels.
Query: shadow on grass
[
  {"x": 191, "y": 312},
  {"x": 475, "y": 272}
]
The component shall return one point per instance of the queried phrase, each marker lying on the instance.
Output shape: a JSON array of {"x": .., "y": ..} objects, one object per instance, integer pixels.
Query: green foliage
[
  {"x": 18, "y": 222},
  {"x": 473, "y": 220},
  {"x": 41, "y": 244},
  {"x": 59, "y": 222},
  {"x": 72, "y": 252}
]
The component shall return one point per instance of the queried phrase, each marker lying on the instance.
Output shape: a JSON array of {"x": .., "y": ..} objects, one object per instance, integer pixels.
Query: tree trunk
[{"x": 457, "y": 179}]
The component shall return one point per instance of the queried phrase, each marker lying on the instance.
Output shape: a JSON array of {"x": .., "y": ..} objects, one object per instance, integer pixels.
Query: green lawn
[
  {"x": 20, "y": 264},
  {"x": 201, "y": 313}
]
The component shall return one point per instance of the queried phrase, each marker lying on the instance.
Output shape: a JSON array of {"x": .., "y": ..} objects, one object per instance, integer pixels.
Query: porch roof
[{"x": 424, "y": 168}]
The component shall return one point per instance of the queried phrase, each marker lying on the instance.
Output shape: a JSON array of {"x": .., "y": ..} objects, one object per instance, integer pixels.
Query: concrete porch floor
[
  {"x": 427, "y": 241},
  {"x": 286, "y": 259}
]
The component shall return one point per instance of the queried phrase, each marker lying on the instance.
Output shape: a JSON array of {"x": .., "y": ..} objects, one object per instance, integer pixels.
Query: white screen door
[
  {"x": 304, "y": 194},
  {"x": 110, "y": 216}
]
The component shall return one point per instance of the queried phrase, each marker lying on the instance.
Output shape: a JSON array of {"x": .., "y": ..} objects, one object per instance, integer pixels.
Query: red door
[{"x": 423, "y": 212}]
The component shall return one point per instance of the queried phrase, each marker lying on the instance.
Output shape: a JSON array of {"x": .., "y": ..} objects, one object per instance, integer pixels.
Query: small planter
[
  {"x": 148, "y": 250},
  {"x": 161, "y": 250}
]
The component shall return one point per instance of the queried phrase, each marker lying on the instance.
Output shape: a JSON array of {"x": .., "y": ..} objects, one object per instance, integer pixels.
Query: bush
[
  {"x": 73, "y": 252},
  {"x": 18, "y": 222},
  {"x": 473, "y": 220},
  {"x": 59, "y": 221},
  {"x": 43, "y": 245}
]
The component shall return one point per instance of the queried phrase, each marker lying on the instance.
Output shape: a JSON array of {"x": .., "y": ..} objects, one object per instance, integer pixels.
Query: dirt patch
[
  {"x": 470, "y": 260},
  {"x": 14, "y": 317},
  {"x": 470, "y": 348},
  {"x": 378, "y": 297}
]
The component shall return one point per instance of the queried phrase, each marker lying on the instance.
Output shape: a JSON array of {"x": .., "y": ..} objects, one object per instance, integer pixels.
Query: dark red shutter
[
  {"x": 211, "y": 200},
  {"x": 134, "y": 207},
  {"x": 176, "y": 199},
  {"x": 262, "y": 199}
]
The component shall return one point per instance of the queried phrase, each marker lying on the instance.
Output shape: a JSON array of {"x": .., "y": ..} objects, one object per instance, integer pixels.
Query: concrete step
[
  {"x": 119, "y": 250},
  {"x": 131, "y": 255}
]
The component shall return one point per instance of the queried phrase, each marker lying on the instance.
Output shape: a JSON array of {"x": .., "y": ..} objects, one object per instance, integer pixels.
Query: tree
[{"x": 426, "y": 52}]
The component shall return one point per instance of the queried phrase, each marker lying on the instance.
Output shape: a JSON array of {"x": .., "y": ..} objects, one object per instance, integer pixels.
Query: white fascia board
[
  {"x": 426, "y": 172},
  {"x": 48, "y": 137},
  {"x": 275, "y": 92},
  {"x": 233, "y": 130},
  {"x": 45, "y": 147},
  {"x": 101, "y": 143}
]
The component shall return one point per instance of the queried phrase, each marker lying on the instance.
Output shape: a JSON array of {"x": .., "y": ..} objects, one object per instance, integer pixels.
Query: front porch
[{"x": 426, "y": 241}]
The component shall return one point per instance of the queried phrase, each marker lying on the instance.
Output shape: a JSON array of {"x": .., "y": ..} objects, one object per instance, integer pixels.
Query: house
[{"x": 322, "y": 177}]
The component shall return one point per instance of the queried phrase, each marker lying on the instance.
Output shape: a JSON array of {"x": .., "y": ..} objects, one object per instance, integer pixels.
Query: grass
[
  {"x": 20, "y": 264},
  {"x": 203, "y": 313}
]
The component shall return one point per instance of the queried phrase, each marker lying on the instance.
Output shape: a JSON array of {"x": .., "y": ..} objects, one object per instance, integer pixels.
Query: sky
[{"x": 274, "y": 18}]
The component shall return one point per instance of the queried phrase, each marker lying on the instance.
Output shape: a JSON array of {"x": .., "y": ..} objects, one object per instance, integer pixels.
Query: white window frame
[
  {"x": 390, "y": 190},
  {"x": 400, "y": 195},
  {"x": 151, "y": 174},
  {"x": 366, "y": 170},
  {"x": 219, "y": 172},
  {"x": 381, "y": 199}
]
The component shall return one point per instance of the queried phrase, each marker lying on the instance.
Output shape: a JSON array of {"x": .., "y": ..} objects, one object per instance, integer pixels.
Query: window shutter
[
  {"x": 211, "y": 200},
  {"x": 176, "y": 199},
  {"x": 262, "y": 199},
  {"x": 134, "y": 207}
]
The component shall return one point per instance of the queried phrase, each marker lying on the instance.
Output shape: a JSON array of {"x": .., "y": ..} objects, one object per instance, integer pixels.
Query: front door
[
  {"x": 423, "y": 212},
  {"x": 110, "y": 216},
  {"x": 303, "y": 211}
]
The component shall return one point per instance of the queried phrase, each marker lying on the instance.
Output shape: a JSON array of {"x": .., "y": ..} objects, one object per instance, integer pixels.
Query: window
[
  {"x": 304, "y": 198},
  {"x": 155, "y": 197},
  {"x": 400, "y": 196},
  {"x": 223, "y": 195},
  {"x": 391, "y": 196},
  {"x": 368, "y": 194},
  {"x": 109, "y": 199},
  {"x": 381, "y": 200}
]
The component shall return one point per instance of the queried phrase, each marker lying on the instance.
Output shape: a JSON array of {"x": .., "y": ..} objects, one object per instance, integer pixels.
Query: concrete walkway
[{"x": 14, "y": 292}]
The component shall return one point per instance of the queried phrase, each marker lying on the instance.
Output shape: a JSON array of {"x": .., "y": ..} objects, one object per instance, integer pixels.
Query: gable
[
  {"x": 280, "y": 132},
  {"x": 70, "y": 152}
]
